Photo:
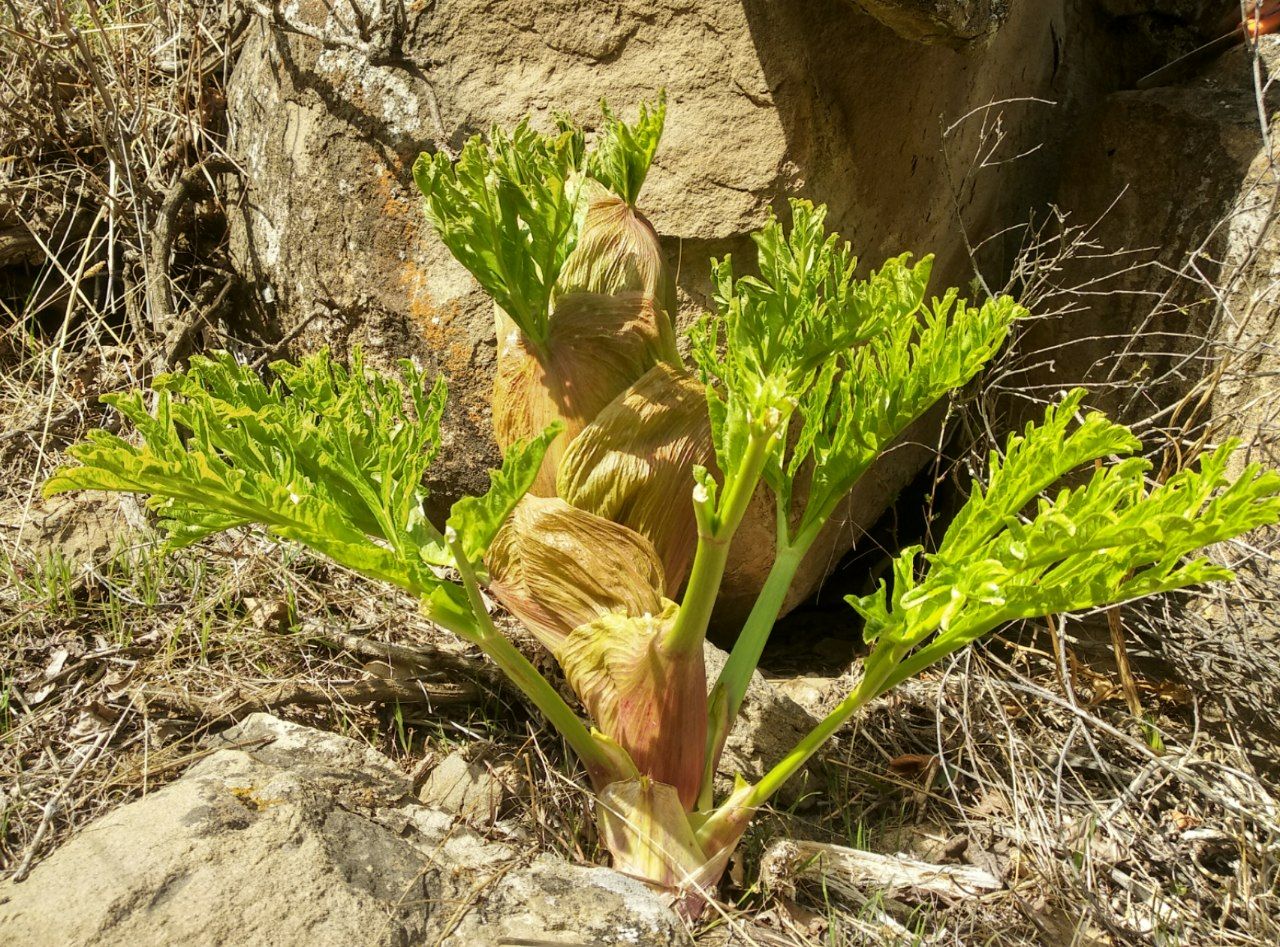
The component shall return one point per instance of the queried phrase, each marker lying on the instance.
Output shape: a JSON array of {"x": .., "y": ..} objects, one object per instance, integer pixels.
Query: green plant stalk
[
  {"x": 715, "y": 532},
  {"x": 730, "y": 688},
  {"x": 479, "y": 627},
  {"x": 876, "y": 680}
]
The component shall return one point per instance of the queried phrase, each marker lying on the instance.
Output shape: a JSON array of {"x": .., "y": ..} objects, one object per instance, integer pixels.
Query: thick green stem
[
  {"x": 602, "y": 767},
  {"x": 715, "y": 533},
  {"x": 873, "y": 682},
  {"x": 731, "y": 686}
]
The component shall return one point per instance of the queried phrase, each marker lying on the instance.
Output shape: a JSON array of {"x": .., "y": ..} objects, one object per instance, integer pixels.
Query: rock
[
  {"x": 768, "y": 727},
  {"x": 1244, "y": 397},
  {"x": 1167, "y": 218},
  {"x": 288, "y": 836},
  {"x": 947, "y": 22},
  {"x": 766, "y": 100},
  {"x": 468, "y": 787},
  {"x": 814, "y": 694},
  {"x": 83, "y": 529}
]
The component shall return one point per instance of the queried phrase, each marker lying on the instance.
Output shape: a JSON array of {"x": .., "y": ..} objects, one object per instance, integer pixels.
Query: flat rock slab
[{"x": 286, "y": 835}]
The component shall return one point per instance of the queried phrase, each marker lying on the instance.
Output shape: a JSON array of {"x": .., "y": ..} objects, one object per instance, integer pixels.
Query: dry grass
[{"x": 1020, "y": 757}]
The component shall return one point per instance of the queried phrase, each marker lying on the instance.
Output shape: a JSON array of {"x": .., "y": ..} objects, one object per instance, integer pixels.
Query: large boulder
[
  {"x": 285, "y": 835},
  {"x": 1171, "y": 186},
  {"x": 767, "y": 100}
]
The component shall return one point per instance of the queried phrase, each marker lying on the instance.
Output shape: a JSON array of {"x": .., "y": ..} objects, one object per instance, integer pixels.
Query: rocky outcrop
[
  {"x": 1175, "y": 188},
  {"x": 948, "y": 22},
  {"x": 288, "y": 836},
  {"x": 766, "y": 100}
]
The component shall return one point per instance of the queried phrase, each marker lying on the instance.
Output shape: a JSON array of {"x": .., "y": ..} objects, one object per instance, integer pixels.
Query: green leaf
[
  {"x": 507, "y": 210},
  {"x": 621, "y": 157},
  {"x": 772, "y": 337},
  {"x": 475, "y": 521},
  {"x": 885, "y": 386},
  {"x": 1110, "y": 540},
  {"x": 329, "y": 458}
]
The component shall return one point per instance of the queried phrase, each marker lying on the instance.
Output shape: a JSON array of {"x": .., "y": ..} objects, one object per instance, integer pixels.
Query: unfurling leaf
[
  {"x": 643, "y": 825},
  {"x": 651, "y": 701},
  {"x": 507, "y": 210},
  {"x": 618, "y": 252},
  {"x": 596, "y": 348},
  {"x": 556, "y": 567},
  {"x": 632, "y": 464},
  {"x": 623, "y": 153}
]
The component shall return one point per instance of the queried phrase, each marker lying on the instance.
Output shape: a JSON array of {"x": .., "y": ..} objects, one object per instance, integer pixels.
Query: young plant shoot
[
  {"x": 583, "y": 299},
  {"x": 642, "y": 472}
]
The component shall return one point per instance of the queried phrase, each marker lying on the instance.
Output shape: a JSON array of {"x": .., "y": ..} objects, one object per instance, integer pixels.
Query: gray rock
[
  {"x": 285, "y": 835},
  {"x": 85, "y": 530},
  {"x": 468, "y": 787}
]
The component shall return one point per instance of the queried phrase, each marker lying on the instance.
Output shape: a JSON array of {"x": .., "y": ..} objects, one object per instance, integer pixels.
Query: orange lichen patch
[
  {"x": 435, "y": 323},
  {"x": 449, "y": 345},
  {"x": 247, "y": 796},
  {"x": 394, "y": 206}
]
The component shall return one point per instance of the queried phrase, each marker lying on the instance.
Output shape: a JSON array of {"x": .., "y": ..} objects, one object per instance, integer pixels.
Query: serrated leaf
[
  {"x": 1109, "y": 540},
  {"x": 475, "y": 521},
  {"x": 623, "y": 153},
  {"x": 330, "y": 458},
  {"x": 776, "y": 341},
  {"x": 886, "y": 385}
]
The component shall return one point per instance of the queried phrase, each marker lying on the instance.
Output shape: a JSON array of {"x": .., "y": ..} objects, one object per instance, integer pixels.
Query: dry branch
[
  {"x": 239, "y": 702},
  {"x": 192, "y": 185},
  {"x": 858, "y": 874},
  {"x": 427, "y": 659}
]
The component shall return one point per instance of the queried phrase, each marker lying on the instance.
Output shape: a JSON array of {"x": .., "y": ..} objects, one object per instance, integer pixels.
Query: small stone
[
  {"x": 811, "y": 693},
  {"x": 473, "y": 790}
]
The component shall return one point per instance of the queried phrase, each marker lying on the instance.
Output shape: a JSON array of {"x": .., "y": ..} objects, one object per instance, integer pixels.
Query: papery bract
[
  {"x": 597, "y": 346},
  {"x": 650, "y": 700},
  {"x": 556, "y": 567}
]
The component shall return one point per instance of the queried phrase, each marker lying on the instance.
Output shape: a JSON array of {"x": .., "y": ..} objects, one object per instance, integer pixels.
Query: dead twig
[
  {"x": 434, "y": 659},
  {"x": 843, "y": 869},
  {"x": 51, "y": 807},
  {"x": 178, "y": 340},
  {"x": 236, "y": 704},
  {"x": 193, "y": 184},
  {"x": 277, "y": 347}
]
